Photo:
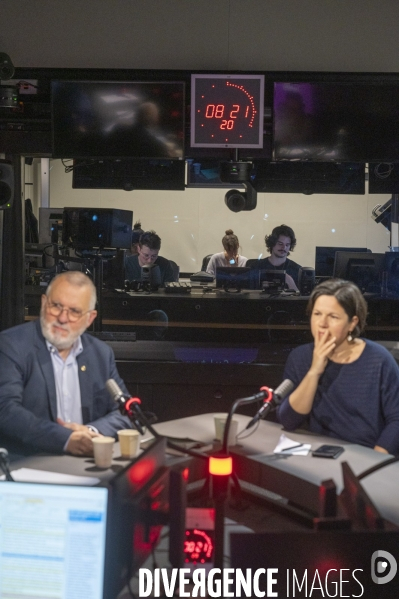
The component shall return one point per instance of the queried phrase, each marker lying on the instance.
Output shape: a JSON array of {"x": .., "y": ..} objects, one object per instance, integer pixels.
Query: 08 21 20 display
[{"x": 227, "y": 111}]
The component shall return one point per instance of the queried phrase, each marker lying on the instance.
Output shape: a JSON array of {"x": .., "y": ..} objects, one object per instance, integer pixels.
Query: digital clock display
[
  {"x": 227, "y": 111},
  {"x": 198, "y": 546}
]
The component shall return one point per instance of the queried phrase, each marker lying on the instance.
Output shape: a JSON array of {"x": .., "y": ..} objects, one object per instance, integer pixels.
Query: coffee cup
[
  {"x": 129, "y": 442},
  {"x": 103, "y": 447}
]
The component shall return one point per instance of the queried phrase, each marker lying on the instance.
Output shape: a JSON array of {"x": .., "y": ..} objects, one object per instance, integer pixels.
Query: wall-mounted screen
[
  {"x": 118, "y": 119},
  {"x": 227, "y": 111},
  {"x": 150, "y": 173},
  {"x": 309, "y": 177},
  {"x": 336, "y": 121}
]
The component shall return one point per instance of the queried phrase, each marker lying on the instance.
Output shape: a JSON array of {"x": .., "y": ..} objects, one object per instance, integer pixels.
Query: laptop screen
[{"x": 52, "y": 540}]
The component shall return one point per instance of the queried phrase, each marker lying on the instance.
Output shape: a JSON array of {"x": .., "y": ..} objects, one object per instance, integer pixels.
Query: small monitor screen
[
  {"x": 227, "y": 111},
  {"x": 325, "y": 258},
  {"x": 272, "y": 280},
  {"x": 336, "y": 121},
  {"x": 122, "y": 119},
  {"x": 52, "y": 541},
  {"x": 362, "y": 268},
  {"x": 233, "y": 277}
]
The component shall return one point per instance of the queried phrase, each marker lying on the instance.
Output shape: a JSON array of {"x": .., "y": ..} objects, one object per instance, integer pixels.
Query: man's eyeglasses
[{"x": 56, "y": 309}]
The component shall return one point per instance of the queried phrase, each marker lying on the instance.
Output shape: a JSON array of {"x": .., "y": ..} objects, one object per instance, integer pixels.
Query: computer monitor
[
  {"x": 139, "y": 504},
  {"x": 272, "y": 280},
  {"x": 325, "y": 257},
  {"x": 53, "y": 540},
  {"x": 362, "y": 268},
  {"x": 233, "y": 277},
  {"x": 89, "y": 228}
]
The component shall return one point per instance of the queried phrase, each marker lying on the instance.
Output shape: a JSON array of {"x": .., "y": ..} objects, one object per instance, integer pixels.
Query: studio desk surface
[
  {"x": 209, "y": 314},
  {"x": 296, "y": 478}
]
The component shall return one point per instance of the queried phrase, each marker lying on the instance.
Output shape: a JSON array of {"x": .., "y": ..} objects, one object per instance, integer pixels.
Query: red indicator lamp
[
  {"x": 220, "y": 465},
  {"x": 269, "y": 394},
  {"x": 131, "y": 401}
]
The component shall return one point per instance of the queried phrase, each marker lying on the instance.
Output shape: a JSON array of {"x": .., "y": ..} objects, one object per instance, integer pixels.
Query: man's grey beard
[{"x": 59, "y": 341}]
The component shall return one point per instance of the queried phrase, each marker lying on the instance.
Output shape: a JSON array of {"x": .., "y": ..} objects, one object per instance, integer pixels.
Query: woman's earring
[{"x": 350, "y": 338}]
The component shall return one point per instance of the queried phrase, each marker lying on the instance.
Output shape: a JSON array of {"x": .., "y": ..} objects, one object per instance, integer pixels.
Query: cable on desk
[{"x": 377, "y": 467}]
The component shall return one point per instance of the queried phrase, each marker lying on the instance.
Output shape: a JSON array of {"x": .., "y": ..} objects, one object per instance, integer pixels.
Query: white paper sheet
[{"x": 287, "y": 446}]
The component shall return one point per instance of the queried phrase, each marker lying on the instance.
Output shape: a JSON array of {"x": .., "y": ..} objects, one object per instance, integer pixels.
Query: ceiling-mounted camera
[{"x": 238, "y": 172}]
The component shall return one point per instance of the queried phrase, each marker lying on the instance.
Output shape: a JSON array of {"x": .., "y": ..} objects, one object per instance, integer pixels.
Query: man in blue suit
[{"x": 53, "y": 397}]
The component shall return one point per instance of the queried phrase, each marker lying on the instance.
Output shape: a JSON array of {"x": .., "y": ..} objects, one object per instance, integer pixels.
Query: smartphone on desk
[{"x": 328, "y": 451}]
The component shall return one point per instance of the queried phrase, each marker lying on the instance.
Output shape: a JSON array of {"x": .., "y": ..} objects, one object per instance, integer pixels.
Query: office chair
[
  {"x": 205, "y": 262},
  {"x": 252, "y": 263},
  {"x": 176, "y": 270}
]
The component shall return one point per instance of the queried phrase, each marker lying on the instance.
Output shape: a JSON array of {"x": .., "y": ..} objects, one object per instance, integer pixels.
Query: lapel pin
[{"x": 83, "y": 368}]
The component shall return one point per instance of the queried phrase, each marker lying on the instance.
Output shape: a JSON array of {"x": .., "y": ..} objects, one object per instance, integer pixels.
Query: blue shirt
[
  {"x": 356, "y": 402},
  {"x": 66, "y": 376}
]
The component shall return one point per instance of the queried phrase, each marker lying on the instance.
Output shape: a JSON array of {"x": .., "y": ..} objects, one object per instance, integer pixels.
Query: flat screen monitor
[
  {"x": 233, "y": 277},
  {"x": 362, "y": 268},
  {"x": 272, "y": 280},
  {"x": 129, "y": 175},
  {"x": 309, "y": 177},
  {"x": 325, "y": 258},
  {"x": 89, "y": 228},
  {"x": 118, "y": 119},
  {"x": 52, "y": 541},
  {"x": 227, "y": 111},
  {"x": 139, "y": 500},
  {"x": 336, "y": 121}
]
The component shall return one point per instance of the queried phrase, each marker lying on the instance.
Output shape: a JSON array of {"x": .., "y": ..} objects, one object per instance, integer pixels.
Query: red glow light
[
  {"x": 221, "y": 466},
  {"x": 142, "y": 471}
]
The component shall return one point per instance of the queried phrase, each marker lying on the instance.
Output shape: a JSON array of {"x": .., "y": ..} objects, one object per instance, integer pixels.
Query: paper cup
[
  {"x": 129, "y": 442},
  {"x": 103, "y": 447},
  {"x": 220, "y": 421}
]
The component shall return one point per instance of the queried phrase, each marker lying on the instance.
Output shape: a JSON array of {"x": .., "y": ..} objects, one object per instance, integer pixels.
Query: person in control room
[
  {"x": 53, "y": 397},
  {"x": 345, "y": 386},
  {"x": 148, "y": 250},
  {"x": 230, "y": 255},
  {"x": 136, "y": 234},
  {"x": 280, "y": 243}
]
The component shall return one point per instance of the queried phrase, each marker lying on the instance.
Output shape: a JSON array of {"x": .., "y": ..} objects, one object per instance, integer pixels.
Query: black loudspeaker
[
  {"x": 6, "y": 67},
  {"x": 306, "y": 280},
  {"x": 6, "y": 184}
]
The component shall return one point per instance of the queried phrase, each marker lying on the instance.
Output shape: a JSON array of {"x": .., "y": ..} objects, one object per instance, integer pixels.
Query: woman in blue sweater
[{"x": 346, "y": 387}]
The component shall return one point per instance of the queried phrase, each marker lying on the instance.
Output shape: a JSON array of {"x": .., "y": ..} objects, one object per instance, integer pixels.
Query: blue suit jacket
[{"x": 28, "y": 400}]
